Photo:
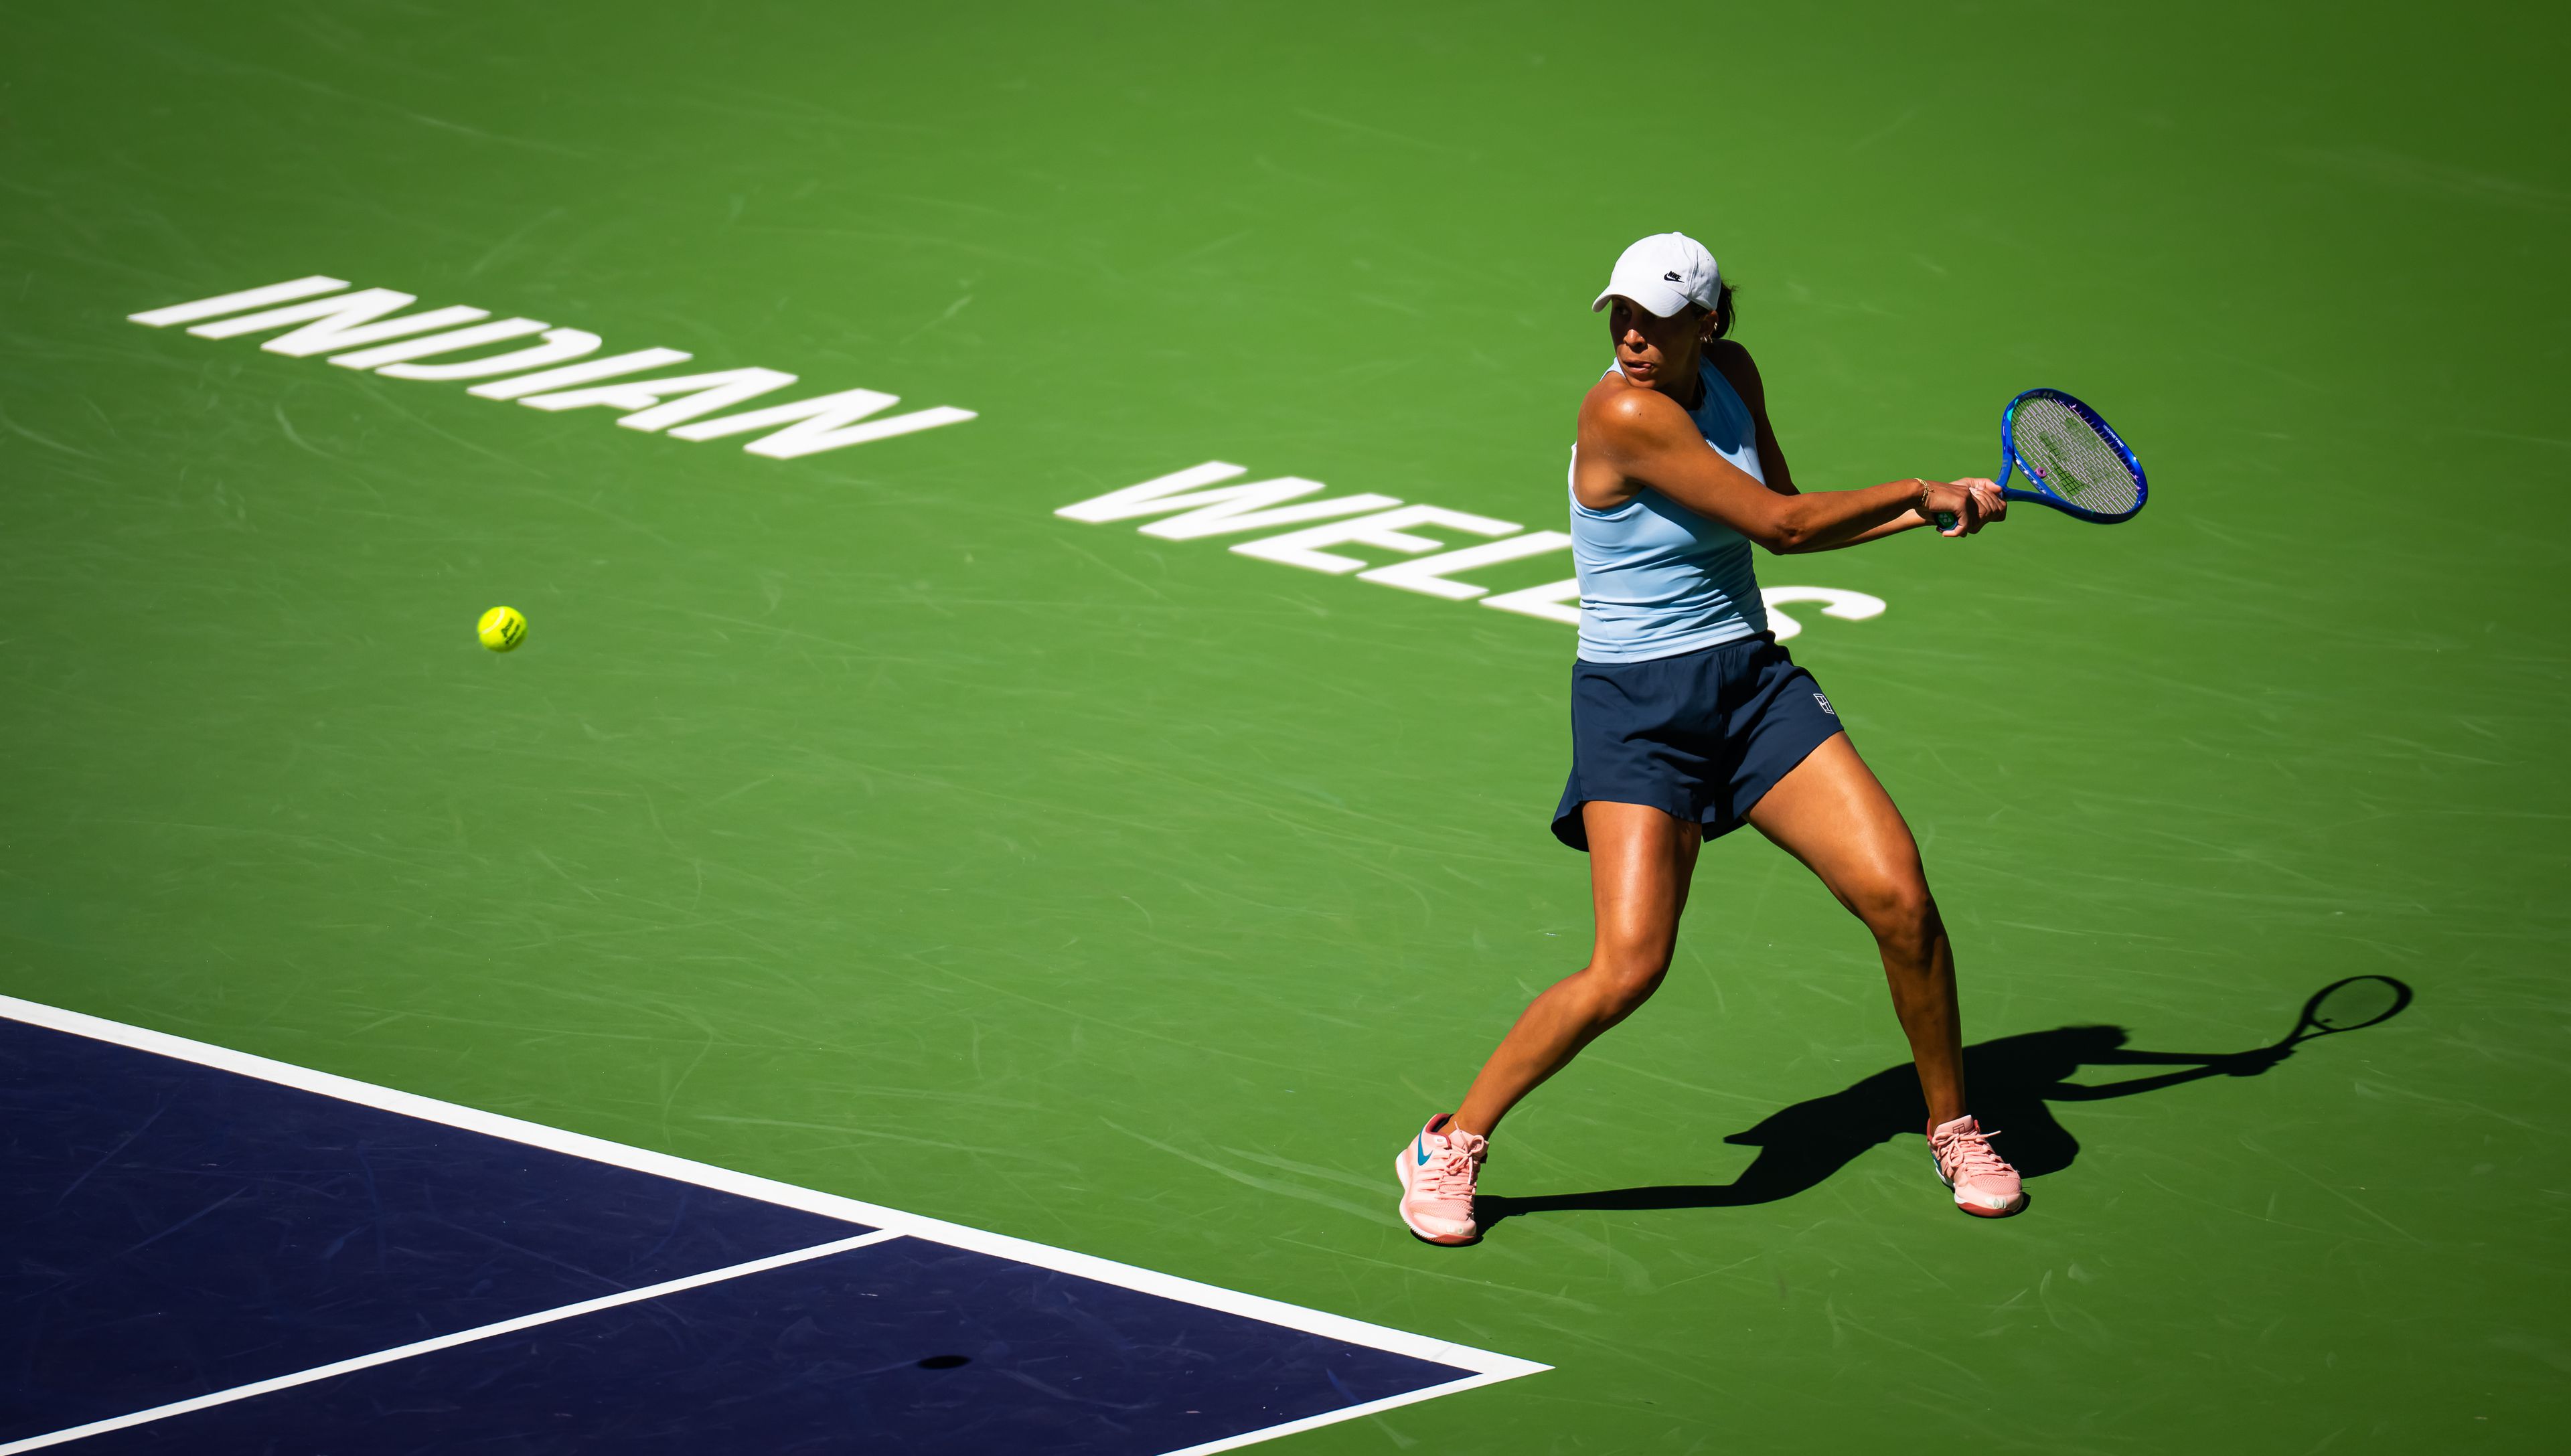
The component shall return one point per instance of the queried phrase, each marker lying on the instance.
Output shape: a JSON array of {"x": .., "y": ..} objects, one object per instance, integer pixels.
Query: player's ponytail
[{"x": 1723, "y": 310}]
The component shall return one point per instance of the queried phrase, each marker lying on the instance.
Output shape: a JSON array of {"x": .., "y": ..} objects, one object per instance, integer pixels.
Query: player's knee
[
  {"x": 1899, "y": 910},
  {"x": 1624, "y": 978}
]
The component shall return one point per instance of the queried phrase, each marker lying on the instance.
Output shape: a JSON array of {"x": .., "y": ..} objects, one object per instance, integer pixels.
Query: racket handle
[{"x": 1945, "y": 520}]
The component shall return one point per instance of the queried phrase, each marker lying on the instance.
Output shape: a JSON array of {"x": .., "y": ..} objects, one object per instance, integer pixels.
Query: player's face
[{"x": 1649, "y": 346}]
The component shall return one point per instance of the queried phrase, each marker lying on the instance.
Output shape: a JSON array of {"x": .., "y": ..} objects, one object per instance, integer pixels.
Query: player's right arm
[{"x": 1633, "y": 437}]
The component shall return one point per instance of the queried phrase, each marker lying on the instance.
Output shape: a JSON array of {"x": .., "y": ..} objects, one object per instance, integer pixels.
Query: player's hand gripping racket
[{"x": 2076, "y": 463}]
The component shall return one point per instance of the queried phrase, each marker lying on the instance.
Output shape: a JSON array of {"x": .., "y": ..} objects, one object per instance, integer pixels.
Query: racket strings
[{"x": 2060, "y": 448}]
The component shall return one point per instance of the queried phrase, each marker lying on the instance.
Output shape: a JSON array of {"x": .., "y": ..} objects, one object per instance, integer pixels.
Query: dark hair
[{"x": 1722, "y": 310}]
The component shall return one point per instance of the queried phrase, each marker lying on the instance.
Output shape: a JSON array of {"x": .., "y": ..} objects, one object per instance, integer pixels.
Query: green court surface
[{"x": 854, "y": 820}]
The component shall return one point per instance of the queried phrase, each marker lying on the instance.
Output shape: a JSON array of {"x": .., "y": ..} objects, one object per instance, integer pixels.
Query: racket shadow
[{"x": 2015, "y": 1081}]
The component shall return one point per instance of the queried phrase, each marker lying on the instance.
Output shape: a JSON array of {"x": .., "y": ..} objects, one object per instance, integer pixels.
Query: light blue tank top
[{"x": 1657, "y": 578}]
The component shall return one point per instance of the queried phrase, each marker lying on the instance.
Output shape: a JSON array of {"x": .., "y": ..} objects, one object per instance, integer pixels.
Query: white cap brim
[{"x": 1652, "y": 293}]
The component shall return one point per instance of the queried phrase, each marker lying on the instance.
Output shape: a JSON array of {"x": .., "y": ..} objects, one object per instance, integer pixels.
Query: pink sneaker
[
  {"x": 1437, "y": 1171},
  {"x": 1983, "y": 1181}
]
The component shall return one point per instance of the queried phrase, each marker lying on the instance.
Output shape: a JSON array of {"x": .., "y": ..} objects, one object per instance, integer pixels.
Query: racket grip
[{"x": 1945, "y": 520}]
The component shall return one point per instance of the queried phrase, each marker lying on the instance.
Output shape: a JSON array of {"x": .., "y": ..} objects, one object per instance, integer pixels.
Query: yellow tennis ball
[{"x": 501, "y": 629}]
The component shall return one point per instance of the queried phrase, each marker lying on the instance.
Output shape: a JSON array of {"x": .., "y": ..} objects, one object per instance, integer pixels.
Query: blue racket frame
[{"x": 2045, "y": 494}]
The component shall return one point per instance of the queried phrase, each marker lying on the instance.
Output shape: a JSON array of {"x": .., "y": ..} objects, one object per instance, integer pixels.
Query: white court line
[
  {"x": 441, "y": 1342},
  {"x": 1333, "y": 1417},
  {"x": 1487, "y": 1367}
]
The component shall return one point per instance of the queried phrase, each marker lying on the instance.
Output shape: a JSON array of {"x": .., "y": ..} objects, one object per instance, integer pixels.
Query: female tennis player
[{"x": 1689, "y": 720}]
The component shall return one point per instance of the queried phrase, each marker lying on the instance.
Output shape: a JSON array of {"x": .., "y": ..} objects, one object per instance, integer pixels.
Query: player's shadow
[{"x": 2013, "y": 1082}]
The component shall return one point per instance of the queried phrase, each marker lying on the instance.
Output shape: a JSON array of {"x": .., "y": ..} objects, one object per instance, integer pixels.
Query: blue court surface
[{"x": 212, "y": 1253}]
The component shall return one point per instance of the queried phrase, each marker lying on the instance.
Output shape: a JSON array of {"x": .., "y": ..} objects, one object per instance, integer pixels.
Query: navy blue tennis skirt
[{"x": 1701, "y": 736}]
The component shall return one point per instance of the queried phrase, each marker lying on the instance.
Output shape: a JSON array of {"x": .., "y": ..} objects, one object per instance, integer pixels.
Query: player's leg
[
  {"x": 1640, "y": 861},
  {"x": 1833, "y": 814}
]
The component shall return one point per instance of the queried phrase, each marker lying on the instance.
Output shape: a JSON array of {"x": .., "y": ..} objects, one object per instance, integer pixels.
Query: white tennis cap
[{"x": 1664, "y": 272}]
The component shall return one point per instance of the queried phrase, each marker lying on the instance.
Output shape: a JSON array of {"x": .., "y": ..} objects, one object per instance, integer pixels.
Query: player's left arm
[{"x": 1741, "y": 372}]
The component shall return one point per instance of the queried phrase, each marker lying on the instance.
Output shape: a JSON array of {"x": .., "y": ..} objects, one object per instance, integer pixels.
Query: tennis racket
[{"x": 2077, "y": 464}]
